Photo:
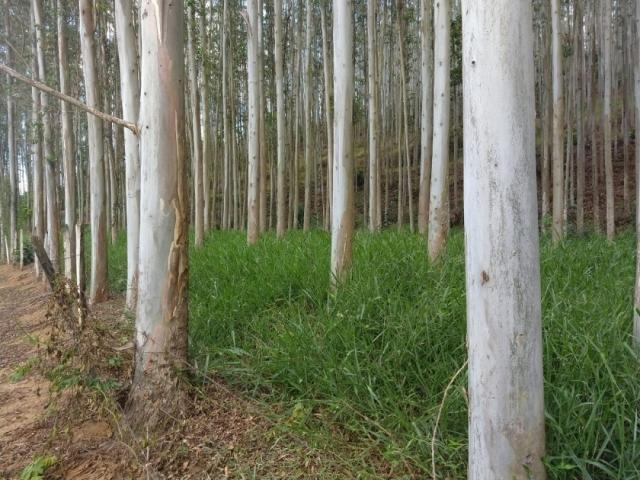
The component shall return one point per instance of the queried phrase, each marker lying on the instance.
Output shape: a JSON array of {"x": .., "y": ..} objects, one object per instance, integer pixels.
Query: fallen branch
[
  {"x": 66, "y": 98},
  {"x": 45, "y": 261}
]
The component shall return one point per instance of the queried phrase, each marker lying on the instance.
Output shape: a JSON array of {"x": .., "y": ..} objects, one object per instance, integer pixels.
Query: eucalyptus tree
[
  {"x": 306, "y": 222},
  {"x": 426, "y": 122},
  {"x": 506, "y": 421},
  {"x": 50, "y": 176},
  {"x": 68, "y": 147},
  {"x": 196, "y": 138},
  {"x": 558, "y": 229},
  {"x": 606, "y": 118},
  {"x": 253, "y": 124},
  {"x": 130, "y": 92},
  {"x": 11, "y": 142},
  {"x": 98, "y": 285},
  {"x": 161, "y": 323},
  {"x": 439, "y": 202},
  {"x": 374, "y": 117},
  {"x": 280, "y": 119},
  {"x": 636, "y": 74},
  {"x": 342, "y": 217}
]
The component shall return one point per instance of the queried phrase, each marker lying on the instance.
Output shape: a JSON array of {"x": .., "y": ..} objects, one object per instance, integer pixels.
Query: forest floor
[{"x": 60, "y": 422}]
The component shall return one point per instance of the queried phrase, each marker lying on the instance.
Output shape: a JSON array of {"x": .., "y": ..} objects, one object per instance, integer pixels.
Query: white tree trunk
[
  {"x": 11, "y": 143},
  {"x": 196, "y": 138},
  {"x": 426, "y": 123},
  {"x": 374, "y": 116},
  {"x": 279, "y": 59},
  {"x": 306, "y": 222},
  {"x": 636, "y": 74},
  {"x": 68, "y": 150},
  {"x": 253, "y": 182},
  {"x": 506, "y": 422},
  {"x": 98, "y": 286},
  {"x": 558, "y": 126},
  {"x": 53, "y": 233},
  {"x": 328, "y": 94},
  {"x": 343, "y": 198},
  {"x": 130, "y": 92},
  {"x": 161, "y": 324},
  {"x": 606, "y": 119},
  {"x": 439, "y": 202},
  {"x": 36, "y": 148}
]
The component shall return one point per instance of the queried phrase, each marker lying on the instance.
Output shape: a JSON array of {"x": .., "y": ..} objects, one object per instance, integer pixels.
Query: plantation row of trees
[{"x": 300, "y": 113}]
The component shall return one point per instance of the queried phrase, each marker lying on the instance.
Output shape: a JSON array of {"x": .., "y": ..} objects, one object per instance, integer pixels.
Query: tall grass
[{"x": 369, "y": 365}]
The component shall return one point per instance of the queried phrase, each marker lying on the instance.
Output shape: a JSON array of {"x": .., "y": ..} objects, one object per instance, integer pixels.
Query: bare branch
[{"x": 77, "y": 103}]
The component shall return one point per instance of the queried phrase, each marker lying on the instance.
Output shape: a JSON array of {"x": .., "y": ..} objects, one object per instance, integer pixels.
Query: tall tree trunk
[
  {"x": 253, "y": 133},
  {"x": 374, "y": 116},
  {"x": 11, "y": 142},
  {"x": 194, "y": 101},
  {"x": 636, "y": 74},
  {"x": 261, "y": 126},
  {"x": 343, "y": 199},
  {"x": 207, "y": 157},
  {"x": 98, "y": 287},
  {"x": 580, "y": 157},
  {"x": 161, "y": 323},
  {"x": 558, "y": 125},
  {"x": 36, "y": 146},
  {"x": 328, "y": 94},
  {"x": 53, "y": 234},
  {"x": 606, "y": 119},
  {"x": 281, "y": 223},
  {"x": 426, "y": 124},
  {"x": 130, "y": 92},
  {"x": 307, "y": 120},
  {"x": 68, "y": 149},
  {"x": 506, "y": 401},
  {"x": 439, "y": 202}
]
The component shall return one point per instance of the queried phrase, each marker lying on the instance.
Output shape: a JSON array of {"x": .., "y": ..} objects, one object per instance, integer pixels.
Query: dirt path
[
  {"x": 23, "y": 395},
  {"x": 220, "y": 435}
]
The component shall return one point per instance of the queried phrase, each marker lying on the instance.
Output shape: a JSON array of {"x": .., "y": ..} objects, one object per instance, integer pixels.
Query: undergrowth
[{"x": 370, "y": 364}]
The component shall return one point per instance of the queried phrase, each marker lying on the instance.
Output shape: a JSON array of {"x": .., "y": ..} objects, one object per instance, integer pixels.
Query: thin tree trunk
[
  {"x": 606, "y": 120},
  {"x": 279, "y": 59},
  {"x": 98, "y": 287},
  {"x": 130, "y": 93},
  {"x": 328, "y": 94},
  {"x": 558, "y": 125},
  {"x": 307, "y": 120},
  {"x": 253, "y": 186},
  {"x": 374, "y": 116},
  {"x": 439, "y": 203},
  {"x": 194, "y": 101},
  {"x": 426, "y": 124},
  {"x": 343, "y": 198}
]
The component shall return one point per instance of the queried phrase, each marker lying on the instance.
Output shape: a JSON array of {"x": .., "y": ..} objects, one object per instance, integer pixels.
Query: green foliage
[
  {"x": 370, "y": 364},
  {"x": 22, "y": 370},
  {"x": 37, "y": 468}
]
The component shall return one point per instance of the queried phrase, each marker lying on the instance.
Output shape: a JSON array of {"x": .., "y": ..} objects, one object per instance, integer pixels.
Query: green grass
[{"x": 370, "y": 364}]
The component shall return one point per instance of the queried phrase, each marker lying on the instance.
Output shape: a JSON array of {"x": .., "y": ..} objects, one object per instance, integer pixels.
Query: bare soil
[{"x": 220, "y": 434}]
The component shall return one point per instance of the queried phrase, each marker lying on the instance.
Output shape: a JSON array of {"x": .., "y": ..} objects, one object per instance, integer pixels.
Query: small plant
[
  {"x": 37, "y": 468},
  {"x": 22, "y": 370}
]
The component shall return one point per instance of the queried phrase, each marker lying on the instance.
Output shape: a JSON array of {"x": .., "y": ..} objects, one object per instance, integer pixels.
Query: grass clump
[{"x": 370, "y": 364}]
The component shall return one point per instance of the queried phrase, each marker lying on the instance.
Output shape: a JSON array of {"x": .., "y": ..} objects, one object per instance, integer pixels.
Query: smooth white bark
[
  {"x": 558, "y": 125},
  {"x": 280, "y": 119},
  {"x": 343, "y": 198},
  {"x": 68, "y": 147},
  {"x": 161, "y": 323},
  {"x": 130, "y": 92},
  {"x": 98, "y": 218},
  {"x": 439, "y": 202},
  {"x": 506, "y": 423},
  {"x": 374, "y": 117}
]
